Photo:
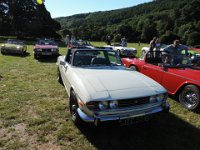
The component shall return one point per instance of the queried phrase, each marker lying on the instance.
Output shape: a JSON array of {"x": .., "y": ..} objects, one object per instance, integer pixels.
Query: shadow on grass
[
  {"x": 47, "y": 59},
  {"x": 165, "y": 132},
  {"x": 17, "y": 55}
]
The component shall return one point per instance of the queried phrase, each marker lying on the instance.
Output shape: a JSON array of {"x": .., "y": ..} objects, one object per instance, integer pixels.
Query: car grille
[
  {"x": 133, "y": 102},
  {"x": 46, "y": 50}
]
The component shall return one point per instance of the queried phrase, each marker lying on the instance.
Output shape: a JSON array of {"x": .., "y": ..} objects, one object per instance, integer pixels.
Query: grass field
[{"x": 34, "y": 114}]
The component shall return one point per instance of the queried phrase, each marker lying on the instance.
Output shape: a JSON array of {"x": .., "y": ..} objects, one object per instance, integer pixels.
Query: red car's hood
[
  {"x": 188, "y": 73},
  {"x": 46, "y": 46}
]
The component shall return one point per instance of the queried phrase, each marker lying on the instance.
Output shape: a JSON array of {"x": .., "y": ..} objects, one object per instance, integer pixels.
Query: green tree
[{"x": 193, "y": 38}]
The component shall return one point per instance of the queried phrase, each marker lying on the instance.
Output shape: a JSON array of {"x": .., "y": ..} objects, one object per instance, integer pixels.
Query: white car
[
  {"x": 160, "y": 48},
  {"x": 101, "y": 89},
  {"x": 123, "y": 51}
]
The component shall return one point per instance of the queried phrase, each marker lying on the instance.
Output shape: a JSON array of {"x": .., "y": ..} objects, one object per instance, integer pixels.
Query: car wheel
[
  {"x": 189, "y": 97},
  {"x": 2, "y": 52},
  {"x": 134, "y": 68},
  {"x": 35, "y": 56},
  {"x": 73, "y": 104},
  {"x": 59, "y": 78}
]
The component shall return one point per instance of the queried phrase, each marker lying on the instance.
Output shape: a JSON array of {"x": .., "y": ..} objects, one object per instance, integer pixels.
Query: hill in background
[{"x": 167, "y": 19}]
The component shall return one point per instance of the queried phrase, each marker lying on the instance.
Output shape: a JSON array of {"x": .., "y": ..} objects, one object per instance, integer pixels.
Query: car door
[
  {"x": 172, "y": 79},
  {"x": 64, "y": 70},
  {"x": 153, "y": 71},
  {"x": 66, "y": 75},
  {"x": 152, "y": 68}
]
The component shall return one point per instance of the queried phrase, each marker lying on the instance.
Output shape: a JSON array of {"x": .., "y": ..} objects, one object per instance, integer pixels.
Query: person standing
[
  {"x": 153, "y": 44},
  {"x": 175, "y": 52},
  {"x": 124, "y": 41},
  {"x": 67, "y": 40},
  {"x": 108, "y": 40}
]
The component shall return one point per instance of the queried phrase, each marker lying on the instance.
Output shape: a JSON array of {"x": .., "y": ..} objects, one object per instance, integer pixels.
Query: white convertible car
[
  {"x": 123, "y": 51},
  {"x": 101, "y": 89},
  {"x": 159, "y": 46}
]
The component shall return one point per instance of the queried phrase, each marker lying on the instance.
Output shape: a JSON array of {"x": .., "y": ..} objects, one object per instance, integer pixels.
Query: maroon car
[
  {"x": 182, "y": 80},
  {"x": 45, "y": 47}
]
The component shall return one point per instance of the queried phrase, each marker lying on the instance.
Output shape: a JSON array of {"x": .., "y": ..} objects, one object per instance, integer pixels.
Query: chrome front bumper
[{"x": 120, "y": 116}]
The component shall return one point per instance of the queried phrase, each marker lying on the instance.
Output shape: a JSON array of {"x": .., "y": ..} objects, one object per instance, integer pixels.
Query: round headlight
[
  {"x": 38, "y": 49},
  {"x": 153, "y": 99},
  {"x": 113, "y": 104},
  {"x": 160, "y": 97},
  {"x": 103, "y": 105},
  {"x": 53, "y": 49}
]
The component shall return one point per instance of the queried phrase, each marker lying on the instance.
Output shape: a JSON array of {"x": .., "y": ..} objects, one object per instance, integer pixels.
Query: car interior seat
[{"x": 99, "y": 61}]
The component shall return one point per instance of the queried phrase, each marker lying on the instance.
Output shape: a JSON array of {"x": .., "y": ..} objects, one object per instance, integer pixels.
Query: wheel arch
[
  {"x": 182, "y": 87},
  {"x": 134, "y": 66}
]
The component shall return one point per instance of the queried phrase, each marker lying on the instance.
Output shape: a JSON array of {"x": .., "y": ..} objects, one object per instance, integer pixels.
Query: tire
[
  {"x": 59, "y": 78},
  {"x": 3, "y": 53},
  {"x": 73, "y": 105},
  {"x": 134, "y": 68},
  {"x": 189, "y": 97},
  {"x": 35, "y": 56}
]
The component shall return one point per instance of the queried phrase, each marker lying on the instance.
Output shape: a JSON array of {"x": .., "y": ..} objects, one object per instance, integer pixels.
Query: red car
[
  {"x": 45, "y": 47},
  {"x": 196, "y": 48},
  {"x": 182, "y": 80}
]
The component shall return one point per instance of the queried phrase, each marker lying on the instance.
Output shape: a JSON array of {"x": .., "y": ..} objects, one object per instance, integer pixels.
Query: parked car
[
  {"x": 195, "y": 48},
  {"x": 101, "y": 89},
  {"x": 45, "y": 47},
  {"x": 80, "y": 44},
  {"x": 195, "y": 59},
  {"x": 13, "y": 46},
  {"x": 182, "y": 80},
  {"x": 159, "y": 47},
  {"x": 123, "y": 51}
]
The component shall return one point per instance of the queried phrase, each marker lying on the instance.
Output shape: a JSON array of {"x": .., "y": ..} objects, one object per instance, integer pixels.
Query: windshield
[
  {"x": 12, "y": 41},
  {"x": 46, "y": 42},
  {"x": 160, "y": 57},
  {"x": 92, "y": 58}
]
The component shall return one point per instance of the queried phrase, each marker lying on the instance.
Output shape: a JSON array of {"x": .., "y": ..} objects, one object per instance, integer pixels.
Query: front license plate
[
  {"x": 46, "y": 53},
  {"x": 135, "y": 120}
]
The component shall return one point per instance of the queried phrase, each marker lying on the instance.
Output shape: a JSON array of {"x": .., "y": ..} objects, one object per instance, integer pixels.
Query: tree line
[
  {"x": 167, "y": 19},
  {"x": 25, "y": 18}
]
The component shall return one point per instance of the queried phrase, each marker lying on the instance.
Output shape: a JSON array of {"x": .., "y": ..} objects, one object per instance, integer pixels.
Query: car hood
[
  {"x": 118, "y": 83},
  {"x": 46, "y": 46}
]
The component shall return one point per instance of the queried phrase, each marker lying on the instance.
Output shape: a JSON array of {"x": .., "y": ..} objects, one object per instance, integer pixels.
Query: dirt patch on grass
[
  {"x": 20, "y": 129},
  {"x": 49, "y": 146},
  {"x": 3, "y": 133},
  {"x": 32, "y": 113}
]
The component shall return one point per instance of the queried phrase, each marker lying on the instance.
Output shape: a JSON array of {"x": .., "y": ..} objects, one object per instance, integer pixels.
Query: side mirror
[{"x": 62, "y": 63}]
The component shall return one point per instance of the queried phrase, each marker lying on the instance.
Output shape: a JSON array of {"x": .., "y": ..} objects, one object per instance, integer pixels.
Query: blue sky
[{"x": 60, "y": 8}]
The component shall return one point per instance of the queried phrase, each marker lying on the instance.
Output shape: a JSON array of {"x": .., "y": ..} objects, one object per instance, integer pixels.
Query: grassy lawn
[{"x": 34, "y": 114}]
